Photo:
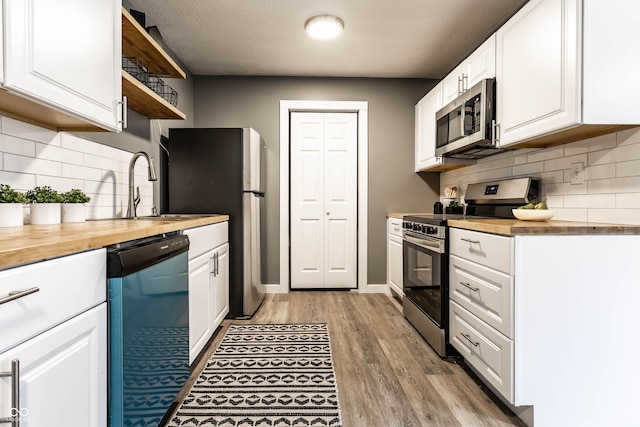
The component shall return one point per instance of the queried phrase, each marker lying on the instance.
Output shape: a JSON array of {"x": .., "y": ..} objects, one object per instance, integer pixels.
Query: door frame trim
[{"x": 362, "y": 109}]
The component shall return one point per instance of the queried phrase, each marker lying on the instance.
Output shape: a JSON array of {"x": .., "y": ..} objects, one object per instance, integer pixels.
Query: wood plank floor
[{"x": 387, "y": 374}]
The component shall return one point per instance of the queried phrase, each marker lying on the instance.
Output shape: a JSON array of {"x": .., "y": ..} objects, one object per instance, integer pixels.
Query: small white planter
[
  {"x": 11, "y": 215},
  {"x": 73, "y": 212},
  {"x": 45, "y": 213}
]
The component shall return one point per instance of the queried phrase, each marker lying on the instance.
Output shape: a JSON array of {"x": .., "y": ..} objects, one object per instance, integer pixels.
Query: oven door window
[{"x": 423, "y": 279}]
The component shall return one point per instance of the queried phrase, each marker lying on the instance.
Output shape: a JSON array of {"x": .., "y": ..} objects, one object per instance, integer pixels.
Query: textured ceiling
[{"x": 382, "y": 38}]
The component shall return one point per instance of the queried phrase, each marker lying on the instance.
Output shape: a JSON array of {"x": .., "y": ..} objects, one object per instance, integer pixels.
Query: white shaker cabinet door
[
  {"x": 425, "y": 138},
  {"x": 200, "y": 303},
  {"x": 481, "y": 64},
  {"x": 66, "y": 54},
  {"x": 537, "y": 71},
  {"x": 62, "y": 375},
  {"x": 394, "y": 255},
  {"x": 220, "y": 291},
  {"x": 453, "y": 84},
  {"x": 1, "y": 46}
]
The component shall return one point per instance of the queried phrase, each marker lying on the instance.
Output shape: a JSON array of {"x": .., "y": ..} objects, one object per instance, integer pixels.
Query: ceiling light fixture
[{"x": 324, "y": 27}]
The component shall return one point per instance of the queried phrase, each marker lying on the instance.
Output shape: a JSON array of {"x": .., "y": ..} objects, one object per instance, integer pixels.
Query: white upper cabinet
[
  {"x": 481, "y": 64},
  {"x": 65, "y": 55},
  {"x": 565, "y": 71},
  {"x": 1, "y": 46},
  {"x": 425, "y": 136}
]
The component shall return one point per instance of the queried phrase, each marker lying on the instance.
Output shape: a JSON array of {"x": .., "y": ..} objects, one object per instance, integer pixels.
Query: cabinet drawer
[
  {"x": 488, "y": 351},
  {"x": 484, "y": 292},
  {"x": 394, "y": 226},
  {"x": 67, "y": 286},
  {"x": 487, "y": 249},
  {"x": 207, "y": 237}
]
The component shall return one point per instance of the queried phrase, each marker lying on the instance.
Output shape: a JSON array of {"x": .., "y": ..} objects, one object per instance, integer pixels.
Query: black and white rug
[{"x": 266, "y": 375}]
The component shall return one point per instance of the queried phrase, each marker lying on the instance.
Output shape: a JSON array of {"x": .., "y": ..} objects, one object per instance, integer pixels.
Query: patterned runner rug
[{"x": 266, "y": 375}]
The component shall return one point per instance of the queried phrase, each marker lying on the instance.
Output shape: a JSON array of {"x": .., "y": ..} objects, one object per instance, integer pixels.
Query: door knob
[{"x": 327, "y": 212}]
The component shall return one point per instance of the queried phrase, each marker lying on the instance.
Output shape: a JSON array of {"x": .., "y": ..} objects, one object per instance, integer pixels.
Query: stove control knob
[
  {"x": 431, "y": 230},
  {"x": 407, "y": 225},
  {"x": 416, "y": 227}
]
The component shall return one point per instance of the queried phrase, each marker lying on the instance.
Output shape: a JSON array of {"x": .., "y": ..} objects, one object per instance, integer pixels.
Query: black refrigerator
[{"x": 222, "y": 171}]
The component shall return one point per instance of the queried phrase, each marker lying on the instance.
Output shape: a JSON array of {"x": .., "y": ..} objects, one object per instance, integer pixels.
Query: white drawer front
[
  {"x": 203, "y": 239},
  {"x": 482, "y": 347},
  {"x": 487, "y": 249},
  {"x": 394, "y": 226},
  {"x": 484, "y": 292},
  {"x": 67, "y": 286}
]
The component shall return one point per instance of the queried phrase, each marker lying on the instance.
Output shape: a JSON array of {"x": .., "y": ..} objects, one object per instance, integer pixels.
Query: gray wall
[{"x": 393, "y": 186}]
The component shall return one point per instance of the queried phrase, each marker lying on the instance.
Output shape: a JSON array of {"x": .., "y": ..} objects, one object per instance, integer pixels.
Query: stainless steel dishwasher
[{"x": 148, "y": 284}]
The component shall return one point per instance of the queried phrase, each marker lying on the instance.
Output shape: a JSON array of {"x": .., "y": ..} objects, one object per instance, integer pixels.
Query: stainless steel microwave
[{"x": 465, "y": 128}]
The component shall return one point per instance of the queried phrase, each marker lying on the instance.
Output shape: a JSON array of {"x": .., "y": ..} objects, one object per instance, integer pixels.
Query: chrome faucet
[{"x": 133, "y": 201}]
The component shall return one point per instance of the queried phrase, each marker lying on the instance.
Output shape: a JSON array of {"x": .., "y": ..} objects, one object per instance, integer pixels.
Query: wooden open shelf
[
  {"x": 146, "y": 102},
  {"x": 137, "y": 43}
]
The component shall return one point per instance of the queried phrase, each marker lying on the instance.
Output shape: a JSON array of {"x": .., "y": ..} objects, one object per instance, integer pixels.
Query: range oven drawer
[
  {"x": 490, "y": 353},
  {"x": 485, "y": 292},
  {"x": 487, "y": 249}
]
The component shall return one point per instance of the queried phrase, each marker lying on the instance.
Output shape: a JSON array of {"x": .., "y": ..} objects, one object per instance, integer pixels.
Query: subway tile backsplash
[
  {"x": 33, "y": 156},
  {"x": 610, "y": 192}
]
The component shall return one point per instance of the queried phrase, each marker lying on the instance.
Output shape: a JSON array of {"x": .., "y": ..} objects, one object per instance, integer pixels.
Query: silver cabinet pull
[
  {"x": 468, "y": 338},
  {"x": 495, "y": 134},
  {"x": 468, "y": 286},
  {"x": 217, "y": 263},
  {"x": 465, "y": 82},
  {"x": 18, "y": 294},
  {"x": 124, "y": 116},
  {"x": 16, "y": 410},
  {"x": 475, "y": 242}
]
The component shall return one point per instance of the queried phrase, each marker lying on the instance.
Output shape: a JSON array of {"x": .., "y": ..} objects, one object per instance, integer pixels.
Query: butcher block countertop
[
  {"x": 514, "y": 227},
  {"x": 30, "y": 243},
  {"x": 399, "y": 215}
]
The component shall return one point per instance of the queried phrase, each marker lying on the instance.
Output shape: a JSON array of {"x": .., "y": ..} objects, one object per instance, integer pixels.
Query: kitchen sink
[
  {"x": 162, "y": 217},
  {"x": 173, "y": 217}
]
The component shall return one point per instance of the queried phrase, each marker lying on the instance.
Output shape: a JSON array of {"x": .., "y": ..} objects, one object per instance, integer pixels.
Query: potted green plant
[
  {"x": 11, "y": 206},
  {"x": 73, "y": 205},
  {"x": 45, "y": 205}
]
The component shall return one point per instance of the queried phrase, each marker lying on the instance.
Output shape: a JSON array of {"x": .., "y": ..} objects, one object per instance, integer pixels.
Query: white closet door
[{"x": 323, "y": 200}]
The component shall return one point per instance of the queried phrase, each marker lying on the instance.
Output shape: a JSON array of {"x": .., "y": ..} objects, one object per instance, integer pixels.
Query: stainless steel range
[{"x": 426, "y": 254}]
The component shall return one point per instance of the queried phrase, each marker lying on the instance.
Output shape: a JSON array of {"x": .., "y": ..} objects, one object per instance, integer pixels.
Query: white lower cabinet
[
  {"x": 484, "y": 348},
  {"x": 53, "y": 318},
  {"x": 208, "y": 283},
  {"x": 394, "y": 255},
  {"x": 545, "y": 321},
  {"x": 62, "y": 374},
  {"x": 481, "y": 308}
]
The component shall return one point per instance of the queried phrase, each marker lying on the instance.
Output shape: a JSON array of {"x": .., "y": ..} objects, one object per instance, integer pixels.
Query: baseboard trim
[
  {"x": 376, "y": 289},
  {"x": 276, "y": 288}
]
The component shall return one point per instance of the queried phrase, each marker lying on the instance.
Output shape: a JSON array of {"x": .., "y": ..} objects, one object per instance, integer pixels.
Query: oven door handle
[{"x": 431, "y": 245}]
